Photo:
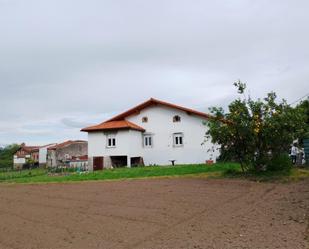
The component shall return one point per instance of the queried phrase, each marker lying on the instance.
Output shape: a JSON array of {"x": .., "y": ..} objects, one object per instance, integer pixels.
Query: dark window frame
[
  {"x": 178, "y": 139},
  {"x": 176, "y": 119}
]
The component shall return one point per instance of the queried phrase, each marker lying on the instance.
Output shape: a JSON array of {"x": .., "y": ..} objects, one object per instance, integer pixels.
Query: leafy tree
[
  {"x": 255, "y": 132},
  {"x": 6, "y": 155},
  {"x": 304, "y": 107}
]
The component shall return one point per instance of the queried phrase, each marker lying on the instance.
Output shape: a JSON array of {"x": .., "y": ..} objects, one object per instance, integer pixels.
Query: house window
[
  {"x": 178, "y": 139},
  {"x": 147, "y": 141},
  {"x": 145, "y": 119},
  {"x": 176, "y": 118},
  {"x": 111, "y": 141}
]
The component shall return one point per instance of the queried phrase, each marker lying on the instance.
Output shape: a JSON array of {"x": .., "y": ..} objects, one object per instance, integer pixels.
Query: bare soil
[{"x": 156, "y": 213}]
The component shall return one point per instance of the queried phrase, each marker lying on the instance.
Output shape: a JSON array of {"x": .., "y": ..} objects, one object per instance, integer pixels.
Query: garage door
[{"x": 98, "y": 163}]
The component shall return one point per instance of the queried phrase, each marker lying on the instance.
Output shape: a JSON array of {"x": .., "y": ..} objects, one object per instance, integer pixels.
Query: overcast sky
[{"x": 65, "y": 64}]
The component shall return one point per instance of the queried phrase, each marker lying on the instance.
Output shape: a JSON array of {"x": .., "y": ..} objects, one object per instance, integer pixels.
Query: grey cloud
[
  {"x": 67, "y": 63},
  {"x": 73, "y": 123}
]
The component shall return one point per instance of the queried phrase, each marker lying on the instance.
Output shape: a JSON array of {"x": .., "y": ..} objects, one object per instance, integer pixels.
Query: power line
[{"x": 299, "y": 99}]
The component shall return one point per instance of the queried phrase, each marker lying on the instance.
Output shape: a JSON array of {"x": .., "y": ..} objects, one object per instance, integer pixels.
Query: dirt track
[{"x": 158, "y": 213}]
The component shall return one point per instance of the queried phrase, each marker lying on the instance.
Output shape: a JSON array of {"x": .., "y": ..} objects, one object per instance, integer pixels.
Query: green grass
[
  {"x": 218, "y": 170},
  {"x": 41, "y": 176},
  {"x": 294, "y": 174}
]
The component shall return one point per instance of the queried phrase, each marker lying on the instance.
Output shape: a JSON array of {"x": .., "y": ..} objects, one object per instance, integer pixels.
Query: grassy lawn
[
  {"x": 41, "y": 175},
  {"x": 295, "y": 174},
  {"x": 219, "y": 170}
]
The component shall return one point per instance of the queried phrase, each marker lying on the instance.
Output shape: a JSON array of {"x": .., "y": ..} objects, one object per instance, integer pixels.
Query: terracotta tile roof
[
  {"x": 47, "y": 145},
  {"x": 34, "y": 148},
  {"x": 153, "y": 101},
  {"x": 30, "y": 149},
  {"x": 61, "y": 145},
  {"x": 114, "y": 125}
]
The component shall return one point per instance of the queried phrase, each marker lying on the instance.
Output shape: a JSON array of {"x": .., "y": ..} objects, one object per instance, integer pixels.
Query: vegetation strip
[
  {"x": 41, "y": 175},
  {"x": 218, "y": 170}
]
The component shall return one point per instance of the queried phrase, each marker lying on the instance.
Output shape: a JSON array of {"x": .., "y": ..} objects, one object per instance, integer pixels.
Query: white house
[
  {"x": 43, "y": 153},
  {"x": 152, "y": 133},
  {"x": 36, "y": 153}
]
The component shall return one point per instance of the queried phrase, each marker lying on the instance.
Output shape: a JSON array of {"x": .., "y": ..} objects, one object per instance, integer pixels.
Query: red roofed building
[
  {"x": 152, "y": 133},
  {"x": 34, "y": 154}
]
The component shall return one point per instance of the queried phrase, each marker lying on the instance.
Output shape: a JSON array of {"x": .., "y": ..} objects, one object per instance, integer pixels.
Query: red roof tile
[
  {"x": 153, "y": 101},
  {"x": 114, "y": 125},
  {"x": 30, "y": 149}
]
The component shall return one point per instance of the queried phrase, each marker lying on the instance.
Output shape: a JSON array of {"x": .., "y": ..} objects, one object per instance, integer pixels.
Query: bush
[
  {"x": 30, "y": 165},
  {"x": 281, "y": 162},
  {"x": 61, "y": 169},
  {"x": 6, "y": 163}
]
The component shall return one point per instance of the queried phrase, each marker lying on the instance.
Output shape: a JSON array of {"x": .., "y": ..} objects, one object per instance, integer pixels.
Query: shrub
[
  {"x": 6, "y": 155},
  {"x": 280, "y": 162},
  {"x": 251, "y": 129},
  {"x": 61, "y": 169}
]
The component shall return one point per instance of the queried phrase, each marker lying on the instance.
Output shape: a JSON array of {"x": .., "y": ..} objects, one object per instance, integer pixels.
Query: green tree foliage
[
  {"x": 256, "y": 132},
  {"x": 6, "y": 155},
  {"x": 304, "y": 107}
]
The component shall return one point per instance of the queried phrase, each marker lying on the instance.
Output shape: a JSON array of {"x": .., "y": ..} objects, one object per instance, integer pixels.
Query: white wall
[
  {"x": 19, "y": 160},
  {"x": 160, "y": 124},
  {"x": 128, "y": 142},
  {"x": 42, "y": 155}
]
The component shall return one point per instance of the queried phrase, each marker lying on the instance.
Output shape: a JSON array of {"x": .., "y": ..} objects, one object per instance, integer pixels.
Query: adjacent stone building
[{"x": 61, "y": 154}]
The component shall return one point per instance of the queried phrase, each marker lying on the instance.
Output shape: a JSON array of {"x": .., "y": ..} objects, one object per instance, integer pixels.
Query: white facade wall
[
  {"x": 20, "y": 160},
  {"x": 43, "y": 155},
  {"x": 128, "y": 142},
  {"x": 160, "y": 124}
]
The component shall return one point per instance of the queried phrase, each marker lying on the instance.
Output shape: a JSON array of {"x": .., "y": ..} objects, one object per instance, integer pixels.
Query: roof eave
[{"x": 112, "y": 129}]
